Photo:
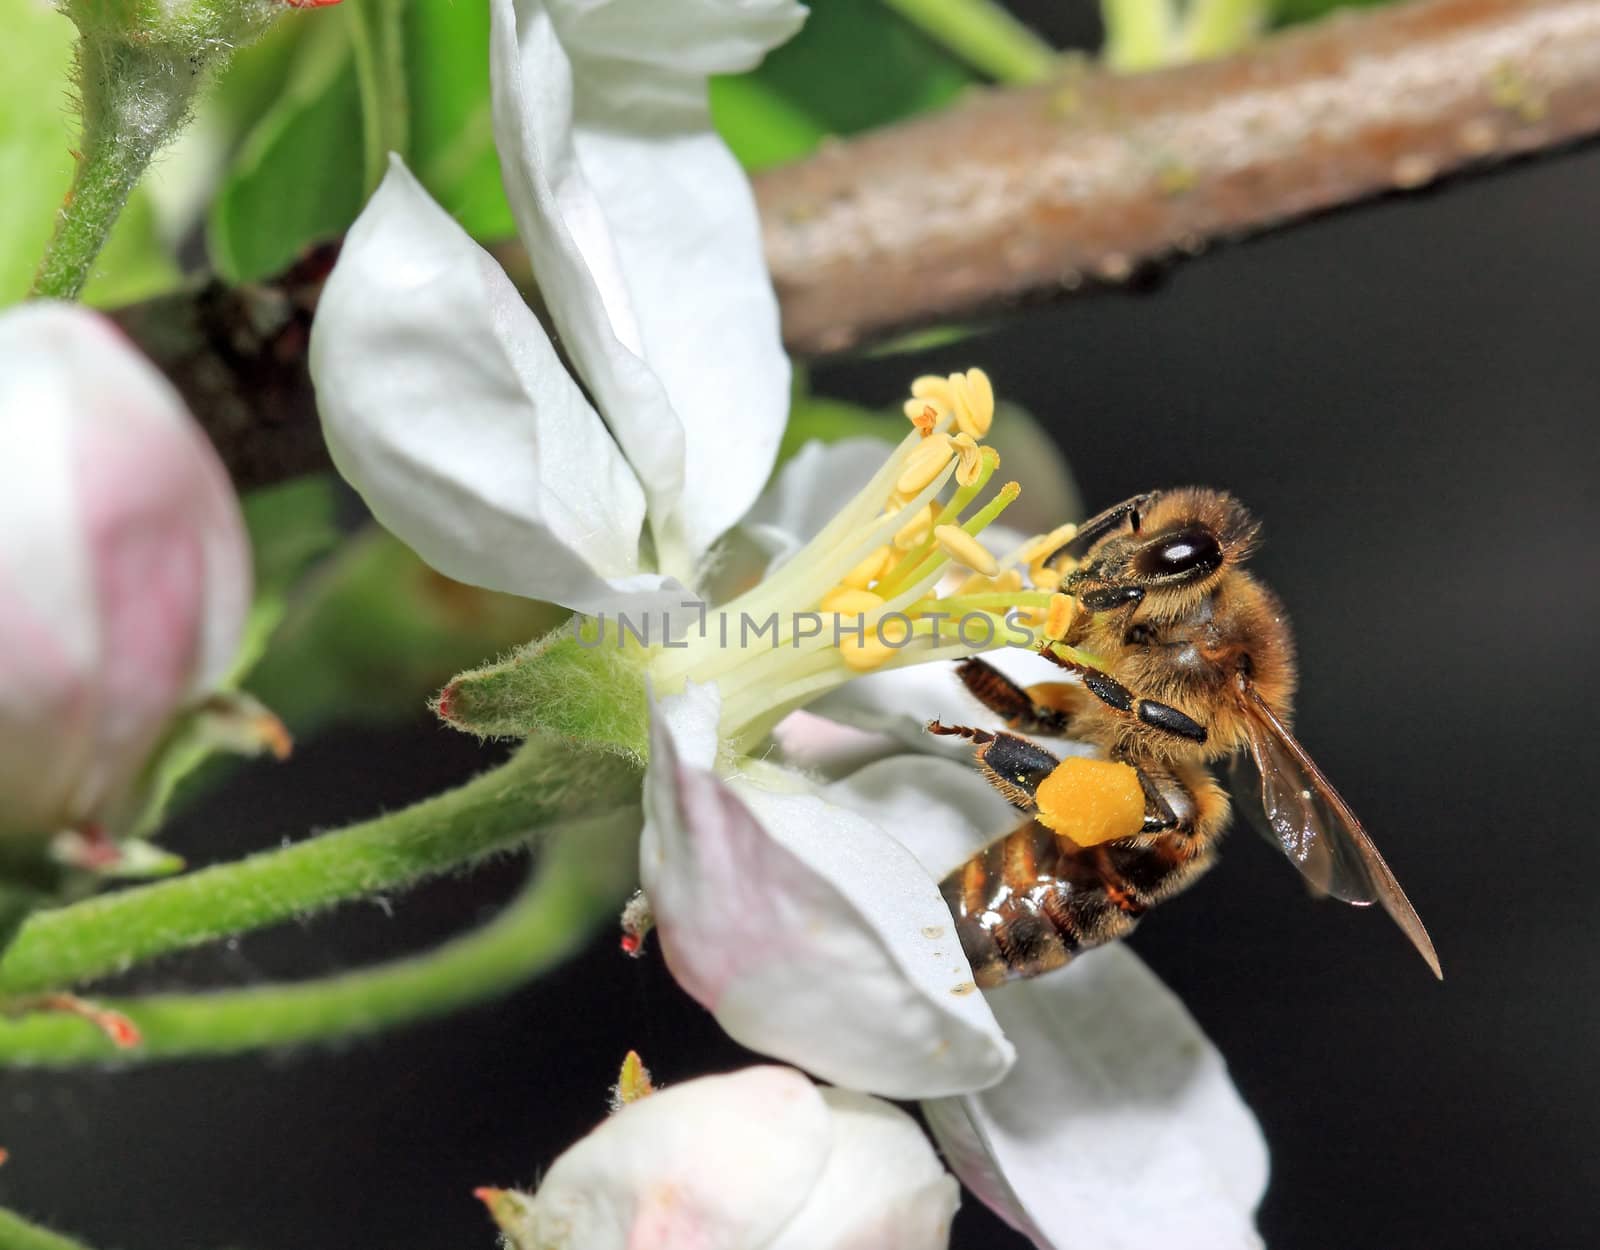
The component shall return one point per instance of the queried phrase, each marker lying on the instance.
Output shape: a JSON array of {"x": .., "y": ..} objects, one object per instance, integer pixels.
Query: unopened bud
[{"x": 124, "y": 570}]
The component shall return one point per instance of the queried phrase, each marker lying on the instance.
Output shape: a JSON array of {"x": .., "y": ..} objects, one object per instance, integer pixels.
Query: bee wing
[{"x": 1290, "y": 802}]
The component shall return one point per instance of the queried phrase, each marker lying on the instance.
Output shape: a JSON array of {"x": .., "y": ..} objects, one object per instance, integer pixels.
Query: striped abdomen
[{"x": 1031, "y": 900}]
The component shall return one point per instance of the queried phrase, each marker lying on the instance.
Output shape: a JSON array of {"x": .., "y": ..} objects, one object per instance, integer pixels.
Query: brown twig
[
  {"x": 1023, "y": 190},
  {"x": 1044, "y": 188}
]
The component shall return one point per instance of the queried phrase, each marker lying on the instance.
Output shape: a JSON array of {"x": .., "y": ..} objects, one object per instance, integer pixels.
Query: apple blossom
[
  {"x": 124, "y": 570},
  {"x": 759, "y": 1159}
]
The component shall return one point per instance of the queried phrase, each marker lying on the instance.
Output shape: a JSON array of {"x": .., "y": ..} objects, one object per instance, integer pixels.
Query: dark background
[{"x": 1405, "y": 394}]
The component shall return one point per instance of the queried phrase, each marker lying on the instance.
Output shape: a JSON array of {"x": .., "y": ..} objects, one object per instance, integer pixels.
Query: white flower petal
[
  {"x": 693, "y": 37},
  {"x": 646, "y": 245},
  {"x": 882, "y": 1188},
  {"x": 124, "y": 569},
  {"x": 1118, "y": 1128},
  {"x": 827, "y": 749},
  {"x": 942, "y": 811},
  {"x": 810, "y": 933},
  {"x": 684, "y": 224},
  {"x": 444, "y": 404},
  {"x": 718, "y": 1163}
]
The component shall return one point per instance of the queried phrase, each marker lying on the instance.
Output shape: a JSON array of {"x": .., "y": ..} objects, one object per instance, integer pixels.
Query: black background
[{"x": 1405, "y": 394}]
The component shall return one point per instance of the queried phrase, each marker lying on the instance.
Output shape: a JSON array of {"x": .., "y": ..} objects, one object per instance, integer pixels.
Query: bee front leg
[{"x": 1114, "y": 695}]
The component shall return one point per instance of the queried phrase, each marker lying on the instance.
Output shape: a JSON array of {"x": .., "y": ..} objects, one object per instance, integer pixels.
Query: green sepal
[{"x": 580, "y": 683}]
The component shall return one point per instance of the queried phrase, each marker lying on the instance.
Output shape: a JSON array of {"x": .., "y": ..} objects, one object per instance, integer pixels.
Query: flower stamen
[{"x": 965, "y": 549}]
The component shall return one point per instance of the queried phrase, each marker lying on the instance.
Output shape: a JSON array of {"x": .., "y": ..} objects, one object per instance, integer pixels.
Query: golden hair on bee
[{"x": 1182, "y": 659}]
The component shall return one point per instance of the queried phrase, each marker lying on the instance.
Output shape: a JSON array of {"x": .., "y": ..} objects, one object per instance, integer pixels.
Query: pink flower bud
[{"x": 124, "y": 568}]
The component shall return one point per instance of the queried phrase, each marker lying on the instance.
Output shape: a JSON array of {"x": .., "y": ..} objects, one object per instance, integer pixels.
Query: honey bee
[{"x": 1182, "y": 660}]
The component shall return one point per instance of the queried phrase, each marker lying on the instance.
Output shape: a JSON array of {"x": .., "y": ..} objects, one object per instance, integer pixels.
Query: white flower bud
[
  {"x": 760, "y": 1158},
  {"x": 124, "y": 568}
]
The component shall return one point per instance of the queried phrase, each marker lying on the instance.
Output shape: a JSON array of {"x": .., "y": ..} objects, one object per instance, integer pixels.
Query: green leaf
[
  {"x": 291, "y": 526},
  {"x": 851, "y": 67},
  {"x": 452, "y": 138},
  {"x": 298, "y": 177},
  {"x": 378, "y": 41},
  {"x": 38, "y": 129},
  {"x": 760, "y": 124}
]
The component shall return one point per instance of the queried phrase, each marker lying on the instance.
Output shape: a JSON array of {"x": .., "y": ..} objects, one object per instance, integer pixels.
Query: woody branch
[{"x": 1040, "y": 189}]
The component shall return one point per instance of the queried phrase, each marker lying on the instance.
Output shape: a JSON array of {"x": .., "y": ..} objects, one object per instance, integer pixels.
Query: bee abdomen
[{"x": 1030, "y": 901}]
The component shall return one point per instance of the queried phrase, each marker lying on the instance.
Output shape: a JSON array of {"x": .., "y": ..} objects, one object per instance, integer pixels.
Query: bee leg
[
  {"x": 1158, "y": 814},
  {"x": 1011, "y": 764},
  {"x": 1117, "y": 697},
  {"x": 1025, "y": 710}
]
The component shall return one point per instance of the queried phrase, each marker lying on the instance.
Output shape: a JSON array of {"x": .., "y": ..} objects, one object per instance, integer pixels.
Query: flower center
[{"x": 865, "y": 593}]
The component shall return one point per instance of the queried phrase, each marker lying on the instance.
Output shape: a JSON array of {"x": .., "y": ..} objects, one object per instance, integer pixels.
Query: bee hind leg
[{"x": 1011, "y": 764}]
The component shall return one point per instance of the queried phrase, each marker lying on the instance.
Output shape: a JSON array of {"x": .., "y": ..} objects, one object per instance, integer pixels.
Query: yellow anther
[
  {"x": 1042, "y": 577},
  {"x": 922, "y": 414},
  {"x": 926, "y": 462},
  {"x": 1042, "y": 545},
  {"x": 965, "y": 549},
  {"x": 879, "y": 642},
  {"x": 971, "y": 466},
  {"x": 978, "y": 584},
  {"x": 1058, "y": 618},
  {"x": 931, "y": 387},
  {"x": 849, "y": 601},
  {"x": 869, "y": 570},
  {"x": 864, "y": 656},
  {"x": 916, "y": 529},
  {"x": 972, "y": 396},
  {"x": 1032, "y": 618}
]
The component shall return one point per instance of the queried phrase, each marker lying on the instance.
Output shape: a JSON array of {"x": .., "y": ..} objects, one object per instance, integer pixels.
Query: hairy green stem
[
  {"x": 585, "y": 872},
  {"x": 134, "y": 100},
  {"x": 545, "y": 781},
  {"x": 379, "y": 45},
  {"x": 17, "y": 1233},
  {"x": 984, "y": 35}
]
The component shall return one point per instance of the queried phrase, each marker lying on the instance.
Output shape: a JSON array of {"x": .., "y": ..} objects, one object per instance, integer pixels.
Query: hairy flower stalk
[{"x": 141, "y": 65}]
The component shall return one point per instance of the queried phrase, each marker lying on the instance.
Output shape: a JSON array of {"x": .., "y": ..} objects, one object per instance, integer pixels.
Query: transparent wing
[{"x": 1285, "y": 796}]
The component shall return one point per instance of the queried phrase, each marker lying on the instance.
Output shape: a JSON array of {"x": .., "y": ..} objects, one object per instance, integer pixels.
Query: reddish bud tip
[
  {"x": 123, "y": 1032},
  {"x": 486, "y": 1194},
  {"x": 444, "y": 705},
  {"x": 631, "y": 944},
  {"x": 4, "y": 1155},
  {"x": 275, "y": 736}
]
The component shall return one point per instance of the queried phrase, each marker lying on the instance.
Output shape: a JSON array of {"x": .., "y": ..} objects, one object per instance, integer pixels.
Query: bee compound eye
[{"x": 1192, "y": 551}]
